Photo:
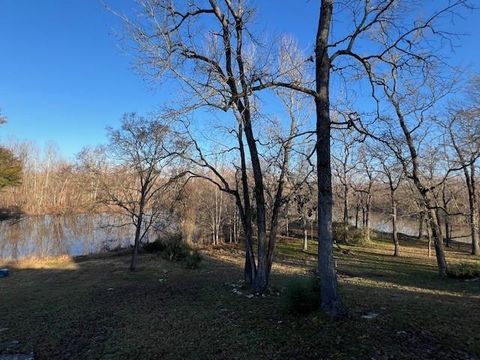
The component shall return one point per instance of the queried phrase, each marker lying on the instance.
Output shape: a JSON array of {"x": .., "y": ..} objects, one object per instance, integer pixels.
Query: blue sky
[{"x": 63, "y": 77}]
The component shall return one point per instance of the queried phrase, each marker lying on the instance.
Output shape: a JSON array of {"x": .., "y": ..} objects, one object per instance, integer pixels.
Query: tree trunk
[
  {"x": 245, "y": 212},
  {"x": 330, "y": 298},
  {"x": 367, "y": 217},
  {"x": 305, "y": 234},
  {"x": 345, "y": 212},
  {"x": 420, "y": 225},
  {"x": 438, "y": 243},
  {"x": 357, "y": 213},
  {"x": 429, "y": 235},
  {"x": 447, "y": 230},
  {"x": 136, "y": 244},
  {"x": 424, "y": 192},
  {"x": 311, "y": 230},
  {"x": 473, "y": 210},
  {"x": 287, "y": 221},
  {"x": 394, "y": 226},
  {"x": 261, "y": 278},
  {"x": 364, "y": 218}
]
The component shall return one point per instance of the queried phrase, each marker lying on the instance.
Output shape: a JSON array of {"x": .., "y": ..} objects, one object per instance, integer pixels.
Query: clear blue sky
[{"x": 63, "y": 77}]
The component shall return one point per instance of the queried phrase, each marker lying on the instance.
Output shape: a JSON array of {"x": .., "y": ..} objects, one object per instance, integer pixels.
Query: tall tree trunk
[
  {"x": 473, "y": 210},
  {"x": 367, "y": 216},
  {"x": 305, "y": 234},
  {"x": 447, "y": 230},
  {"x": 287, "y": 220},
  {"x": 429, "y": 236},
  {"x": 138, "y": 230},
  {"x": 357, "y": 213},
  {"x": 345, "y": 212},
  {"x": 428, "y": 202},
  {"x": 245, "y": 212},
  {"x": 330, "y": 298},
  {"x": 438, "y": 243},
  {"x": 394, "y": 225},
  {"x": 420, "y": 225},
  {"x": 277, "y": 204}
]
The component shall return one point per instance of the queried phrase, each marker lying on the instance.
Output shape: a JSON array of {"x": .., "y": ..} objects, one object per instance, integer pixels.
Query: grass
[{"x": 93, "y": 308}]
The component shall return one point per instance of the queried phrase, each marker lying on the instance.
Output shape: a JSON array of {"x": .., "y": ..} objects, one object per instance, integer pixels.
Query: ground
[{"x": 93, "y": 308}]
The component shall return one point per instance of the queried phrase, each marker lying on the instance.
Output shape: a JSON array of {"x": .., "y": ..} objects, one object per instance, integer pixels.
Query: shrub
[
  {"x": 154, "y": 247},
  {"x": 356, "y": 236},
  {"x": 175, "y": 249},
  {"x": 193, "y": 259},
  {"x": 338, "y": 232},
  {"x": 302, "y": 296},
  {"x": 352, "y": 235},
  {"x": 464, "y": 271}
]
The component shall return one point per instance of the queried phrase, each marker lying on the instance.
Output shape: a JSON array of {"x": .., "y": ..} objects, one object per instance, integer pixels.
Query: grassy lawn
[{"x": 93, "y": 308}]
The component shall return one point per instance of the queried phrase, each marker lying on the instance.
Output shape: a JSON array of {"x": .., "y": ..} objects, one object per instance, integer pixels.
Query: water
[
  {"x": 73, "y": 235},
  {"x": 408, "y": 226}
]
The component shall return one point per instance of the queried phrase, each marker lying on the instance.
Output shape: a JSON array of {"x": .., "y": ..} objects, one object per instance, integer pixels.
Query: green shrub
[
  {"x": 464, "y": 271},
  {"x": 356, "y": 236},
  {"x": 193, "y": 259},
  {"x": 175, "y": 249},
  {"x": 302, "y": 296},
  {"x": 350, "y": 236},
  {"x": 338, "y": 232}
]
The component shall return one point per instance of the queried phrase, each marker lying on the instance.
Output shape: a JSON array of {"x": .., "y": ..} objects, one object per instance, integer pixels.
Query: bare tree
[
  {"x": 137, "y": 155},
  {"x": 388, "y": 27},
  {"x": 464, "y": 132},
  {"x": 392, "y": 173},
  {"x": 218, "y": 72},
  {"x": 403, "y": 136},
  {"x": 365, "y": 179},
  {"x": 344, "y": 164}
]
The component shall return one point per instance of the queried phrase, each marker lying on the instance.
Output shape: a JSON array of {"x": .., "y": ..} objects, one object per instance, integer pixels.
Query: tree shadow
[
  {"x": 93, "y": 307},
  {"x": 12, "y": 214}
]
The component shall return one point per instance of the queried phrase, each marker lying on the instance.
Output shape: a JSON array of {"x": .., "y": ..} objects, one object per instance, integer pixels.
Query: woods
[{"x": 297, "y": 166}]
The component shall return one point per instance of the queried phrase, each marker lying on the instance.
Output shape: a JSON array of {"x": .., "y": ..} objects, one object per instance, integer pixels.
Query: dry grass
[{"x": 164, "y": 311}]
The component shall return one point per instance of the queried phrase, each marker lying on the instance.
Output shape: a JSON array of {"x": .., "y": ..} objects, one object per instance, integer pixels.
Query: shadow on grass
[{"x": 92, "y": 307}]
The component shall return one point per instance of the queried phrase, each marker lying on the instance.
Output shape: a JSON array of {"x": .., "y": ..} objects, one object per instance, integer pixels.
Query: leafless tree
[
  {"x": 463, "y": 129},
  {"x": 344, "y": 164},
  {"x": 219, "y": 72},
  {"x": 388, "y": 27},
  {"x": 139, "y": 154},
  {"x": 391, "y": 172}
]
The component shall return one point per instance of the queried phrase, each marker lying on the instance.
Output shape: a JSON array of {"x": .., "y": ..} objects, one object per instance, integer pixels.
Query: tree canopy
[{"x": 10, "y": 169}]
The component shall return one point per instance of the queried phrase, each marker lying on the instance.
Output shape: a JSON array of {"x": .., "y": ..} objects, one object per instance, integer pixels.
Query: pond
[
  {"x": 408, "y": 226},
  {"x": 73, "y": 235}
]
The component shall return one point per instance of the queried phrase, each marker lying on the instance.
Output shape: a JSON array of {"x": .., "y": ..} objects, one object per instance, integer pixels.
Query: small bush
[
  {"x": 193, "y": 260},
  {"x": 338, "y": 232},
  {"x": 464, "y": 271},
  {"x": 154, "y": 247},
  {"x": 175, "y": 249},
  {"x": 302, "y": 296},
  {"x": 356, "y": 236},
  {"x": 350, "y": 236}
]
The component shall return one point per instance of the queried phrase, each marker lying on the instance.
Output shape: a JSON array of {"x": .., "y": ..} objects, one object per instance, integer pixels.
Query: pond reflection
[
  {"x": 74, "y": 235},
  {"x": 383, "y": 223}
]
